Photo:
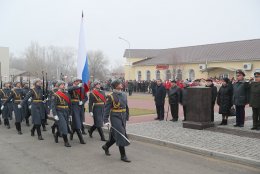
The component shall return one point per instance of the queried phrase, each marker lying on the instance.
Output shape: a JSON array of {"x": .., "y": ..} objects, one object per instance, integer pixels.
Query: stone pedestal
[{"x": 198, "y": 108}]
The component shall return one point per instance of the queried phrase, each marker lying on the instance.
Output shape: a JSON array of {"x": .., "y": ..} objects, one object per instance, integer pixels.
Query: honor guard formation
[{"x": 65, "y": 104}]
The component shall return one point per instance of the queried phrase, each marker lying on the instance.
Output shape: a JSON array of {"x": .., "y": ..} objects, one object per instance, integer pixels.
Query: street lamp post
[{"x": 129, "y": 46}]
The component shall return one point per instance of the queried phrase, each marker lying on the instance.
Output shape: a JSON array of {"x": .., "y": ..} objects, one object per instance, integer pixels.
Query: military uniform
[
  {"x": 37, "y": 109},
  {"x": 96, "y": 106},
  {"x": 117, "y": 109},
  {"x": 60, "y": 107},
  {"x": 26, "y": 109},
  {"x": 254, "y": 102},
  {"x": 7, "y": 110},
  {"x": 16, "y": 96},
  {"x": 77, "y": 110}
]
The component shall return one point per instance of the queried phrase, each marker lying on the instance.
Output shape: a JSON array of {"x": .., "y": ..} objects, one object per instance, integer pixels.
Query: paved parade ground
[{"x": 156, "y": 147}]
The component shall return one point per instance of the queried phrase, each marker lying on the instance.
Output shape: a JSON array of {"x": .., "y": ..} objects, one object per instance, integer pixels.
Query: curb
[{"x": 194, "y": 150}]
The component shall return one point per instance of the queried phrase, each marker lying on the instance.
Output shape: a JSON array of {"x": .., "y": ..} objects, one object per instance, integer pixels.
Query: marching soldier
[
  {"x": 60, "y": 109},
  {"x": 37, "y": 107},
  {"x": 17, "y": 94},
  {"x": 78, "y": 99},
  {"x": 7, "y": 109},
  {"x": 52, "y": 92},
  {"x": 26, "y": 107},
  {"x": 116, "y": 107},
  {"x": 97, "y": 100},
  {"x": 254, "y": 101}
]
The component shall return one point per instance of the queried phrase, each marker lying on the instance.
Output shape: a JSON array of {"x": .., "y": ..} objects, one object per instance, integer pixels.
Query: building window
[
  {"x": 191, "y": 75},
  {"x": 158, "y": 75},
  {"x": 224, "y": 75},
  {"x": 139, "y": 75},
  {"x": 168, "y": 75},
  {"x": 148, "y": 75},
  {"x": 179, "y": 74}
]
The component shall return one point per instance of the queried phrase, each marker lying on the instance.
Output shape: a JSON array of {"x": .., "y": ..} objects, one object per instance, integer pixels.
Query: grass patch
[{"x": 138, "y": 112}]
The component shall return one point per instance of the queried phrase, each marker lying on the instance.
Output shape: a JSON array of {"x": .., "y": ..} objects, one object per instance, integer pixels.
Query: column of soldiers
[{"x": 66, "y": 105}]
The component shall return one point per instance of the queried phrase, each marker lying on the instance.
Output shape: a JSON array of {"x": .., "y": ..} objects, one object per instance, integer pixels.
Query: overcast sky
[{"x": 146, "y": 24}]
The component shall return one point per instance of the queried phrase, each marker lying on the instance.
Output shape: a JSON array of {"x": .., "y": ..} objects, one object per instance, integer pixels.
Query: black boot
[
  {"x": 225, "y": 122},
  {"x": 71, "y": 134},
  {"x": 18, "y": 128},
  {"x": 101, "y": 133},
  {"x": 91, "y": 130},
  {"x": 123, "y": 155},
  {"x": 7, "y": 124},
  {"x": 80, "y": 137},
  {"x": 53, "y": 128},
  {"x": 66, "y": 142},
  {"x": 0, "y": 121},
  {"x": 44, "y": 127},
  {"x": 56, "y": 137},
  {"x": 32, "y": 130},
  {"x": 83, "y": 130},
  {"x": 222, "y": 122},
  {"x": 106, "y": 149},
  {"x": 39, "y": 132},
  {"x": 27, "y": 122}
]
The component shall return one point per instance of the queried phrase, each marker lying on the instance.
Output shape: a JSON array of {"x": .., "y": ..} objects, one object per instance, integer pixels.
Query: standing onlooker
[
  {"x": 240, "y": 97},
  {"x": 255, "y": 101},
  {"x": 174, "y": 98},
  {"x": 159, "y": 98},
  {"x": 130, "y": 87},
  {"x": 183, "y": 98},
  {"x": 224, "y": 100},
  {"x": 214, "y": 91}
]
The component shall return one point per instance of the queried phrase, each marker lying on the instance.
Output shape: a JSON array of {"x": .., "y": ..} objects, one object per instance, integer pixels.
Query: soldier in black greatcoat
[
  {"x": 7, "y": 109},
  {"x": 240, "y": 97},
  {"x": 97, "y": 100},
  {"x": 16, "y": 96},
  {"x": 78, "y": 99},
  {"x": 174, "y": 99},
  {"x": 26, "y": 107},
  {"x": 37, "y": 107},
  {"x": 61, "y": 108},
  {"x": 117, "y": 109},
  {"x": 254, "y": 101}
]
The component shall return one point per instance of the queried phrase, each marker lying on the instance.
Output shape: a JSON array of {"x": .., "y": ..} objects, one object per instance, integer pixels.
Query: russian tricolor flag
[{"x": 82, "y": 66}]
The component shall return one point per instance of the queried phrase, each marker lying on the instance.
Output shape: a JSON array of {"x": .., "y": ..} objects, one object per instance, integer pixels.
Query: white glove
[
  {"x": 44, "y": 101},
  {"x": 70, "y": 117},
  {"x": 30, "y": 106},
  {"x": 47, "y": 99},
  {"x": 80, "y": 103},
  {"x": 30, "y": 99},
  {"x": 2, "y": 107},
  {"x": 91, "y": 114},
  {"x": 80, "y": 85},
  {"x": 56, "y": 117},
  {"x": 19, "y": 106},
  {"x": 107, "y": 124}
]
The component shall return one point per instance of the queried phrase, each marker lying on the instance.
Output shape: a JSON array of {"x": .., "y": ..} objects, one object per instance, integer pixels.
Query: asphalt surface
[{"x": 23, "y": 154}]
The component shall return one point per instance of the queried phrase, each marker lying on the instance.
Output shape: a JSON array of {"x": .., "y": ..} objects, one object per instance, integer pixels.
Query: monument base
[{"x": 197, "y": 125}]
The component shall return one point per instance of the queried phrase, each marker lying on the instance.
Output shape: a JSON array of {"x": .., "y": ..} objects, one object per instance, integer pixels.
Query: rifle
[
  {"x": 46, "y": 89},
  {"x": 29, "y": 81},
  {"x": 43, "y": 86},
  {"x": 1, "y": 85}
]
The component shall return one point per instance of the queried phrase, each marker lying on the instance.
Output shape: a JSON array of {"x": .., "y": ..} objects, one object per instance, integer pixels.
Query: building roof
[{"x": 245, "y": 50}]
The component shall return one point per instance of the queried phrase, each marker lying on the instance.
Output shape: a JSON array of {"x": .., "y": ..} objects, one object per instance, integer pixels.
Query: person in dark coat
[
  {"x": 159, "y": 98},
  {"x": 183, "y": 98},
  {"x": 60, "y": 106},
  {"x": 26, "y": 107},
  {"x": 240, "y": 97},
  {"x": 130, "y": 87},
  {"x": 117, "y": 109},
  {"x": 97, "y": 100},
  {"x": 254, "y": 101},
  {"x": 16, "y": 96},
  {"x": 224, "y": 100},
  {"x": 7, "y": 109},
  {"x": 174, "y": 99},
  {"x": 214, "y": 92},
  {"x": 78, "y": 99},
  {"x": 52, "y": 92},
  {"x": 37, "y": 107}
]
